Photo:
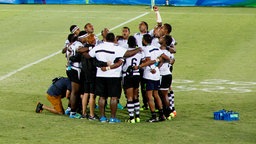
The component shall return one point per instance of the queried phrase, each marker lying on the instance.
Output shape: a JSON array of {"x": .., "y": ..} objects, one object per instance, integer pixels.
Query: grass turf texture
[{"x": 213, "y": 43}]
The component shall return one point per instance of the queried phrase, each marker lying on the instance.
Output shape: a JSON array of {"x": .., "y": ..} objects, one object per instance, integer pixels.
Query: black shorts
[
  {"x": 89, "y": 87},
  {"x": 166, "y": 82},
  {"x": 108, "y": 87},
  {"x": 131, "y": 81},
  {"x": 152, "y": 84},
  {"x": 74, "y": 76}
]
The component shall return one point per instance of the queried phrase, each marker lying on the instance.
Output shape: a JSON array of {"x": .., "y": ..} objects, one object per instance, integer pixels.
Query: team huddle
[{"x": 106, "y": 67}]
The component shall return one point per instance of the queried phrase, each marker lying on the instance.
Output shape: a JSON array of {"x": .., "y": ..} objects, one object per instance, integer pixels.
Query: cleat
[
  {"x": 114, "y": 120},
  {"x": 75, "y": 116},
  {"x": 151, "y": 120},
  {"x": 137, "y": 119},
  {"x": 161, "y": 118},
  {"x": 39, "y": 107},
  {"x": 173, "y": 114},
  {"x": 169, "y": 118},
  {"x": 85, "y": 116},
  {"x": 144, "y": 108},
  {"x": 103, "y": 119},
  {"x": 131, "y": 120},
  {"x": 67, "y": 111},
  {"x": 93, "y": 118},
  {"x": 119, "y": 106}
]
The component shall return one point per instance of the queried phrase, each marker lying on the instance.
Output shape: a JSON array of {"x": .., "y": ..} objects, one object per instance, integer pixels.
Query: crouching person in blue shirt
[{"x": 60, "y": 88}]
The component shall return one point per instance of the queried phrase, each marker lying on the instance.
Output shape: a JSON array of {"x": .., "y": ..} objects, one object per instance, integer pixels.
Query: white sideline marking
[
  {"x": 49, "y": 56},
  {"x": 28, "y": 65},
  {"x": 129, "y": 21}
]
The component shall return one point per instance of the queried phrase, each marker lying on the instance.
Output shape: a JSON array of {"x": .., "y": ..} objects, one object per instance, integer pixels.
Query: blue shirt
[{"x": 59, "y": 87}]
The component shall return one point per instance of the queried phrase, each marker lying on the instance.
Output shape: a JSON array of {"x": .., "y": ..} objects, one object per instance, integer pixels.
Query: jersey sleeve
[
  {"x": 146, "y": 53},
  {"x": 92, "y": 52},
  {"x": 121, "y": 51}
]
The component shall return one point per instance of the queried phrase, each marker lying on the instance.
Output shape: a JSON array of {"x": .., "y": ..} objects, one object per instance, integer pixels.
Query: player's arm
[
  {"x": 165, "y": 58},
  {"x": 84, "y": 51},
  {"x": 68, "y": 92},
  {"x": 172, "y": 49},
  {"x": 99, "y": 63},
  {"x": 130, "y": 53},
  {"x": 147, "y": 62},
  {"x": 119, "y": 37},
  {"x": 116, "y": 64},
  {"x": 64, "y": 50},
  {"x": 158, "y": 16},
  {"x": 172, "y": 62}
]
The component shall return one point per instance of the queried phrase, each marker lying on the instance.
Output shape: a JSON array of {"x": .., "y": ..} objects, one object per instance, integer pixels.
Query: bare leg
[
  {"x": 92, "y": 104},
  {"x": 113, "y": 106},
  {"x": 129, "y": 94},
  {"x": 151, "y": 102},
  {"x": 74, "y": 96},
  {"x": 102, "y": 101},
  {"x": 84, "y": 103},
  {"x": 165, "y": 98},
  {"x": 50, "y": 109},
  {"x": 158, "y": 99}
]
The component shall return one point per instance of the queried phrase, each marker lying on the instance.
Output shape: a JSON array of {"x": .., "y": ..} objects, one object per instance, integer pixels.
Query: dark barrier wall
[{"x": 251, "y": 3}]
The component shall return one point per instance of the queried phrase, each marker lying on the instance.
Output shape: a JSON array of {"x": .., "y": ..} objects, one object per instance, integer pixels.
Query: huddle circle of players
[{"x": 141, "y": 63}]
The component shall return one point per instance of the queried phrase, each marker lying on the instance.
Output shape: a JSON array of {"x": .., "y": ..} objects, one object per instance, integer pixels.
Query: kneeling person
[{"x": 59, "y": 89}]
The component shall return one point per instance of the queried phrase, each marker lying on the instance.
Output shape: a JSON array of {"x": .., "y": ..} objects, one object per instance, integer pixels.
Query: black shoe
[
  {"x": 39, "y": 107},
  {"x": 85, "y": 116},
  {"x": 153, "y": 120},
  {"x": 144, "y": 108},
  {"x": 161, "y": 118},
  {"x": 92, "y": 118}
]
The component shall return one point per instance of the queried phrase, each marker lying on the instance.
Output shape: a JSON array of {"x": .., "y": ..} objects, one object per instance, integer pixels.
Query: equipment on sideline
[{"x": 152, "y": 4}]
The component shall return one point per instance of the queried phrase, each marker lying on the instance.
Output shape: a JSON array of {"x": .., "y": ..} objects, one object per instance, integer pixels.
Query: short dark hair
[
  {"x": 110, "y": 37},
  {"x": 168, "y": 27},
  {"x": 86, "y": 25},
  {"x": 168, "y": 39},
  {"x": 72, "y": 27},
  {"x": 82, "y": 33},
  {"x": 145, "y": 24},
  {"x": 72, "y": 38},
  {"x": 147, "y": 38},
  {"x": 132, "y": 42},
  {"x": 126, "y": 28}
]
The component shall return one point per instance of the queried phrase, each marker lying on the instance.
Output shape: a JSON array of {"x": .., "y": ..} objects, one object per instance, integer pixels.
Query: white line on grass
[
  {"x": 128, "y": 21},
  {"x": 49, "y": 56},
  {"x": 28, "y": 65}
]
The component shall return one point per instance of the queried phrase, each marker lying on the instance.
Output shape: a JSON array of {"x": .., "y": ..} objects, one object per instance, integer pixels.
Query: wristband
[{"x": 108, "y": 68}]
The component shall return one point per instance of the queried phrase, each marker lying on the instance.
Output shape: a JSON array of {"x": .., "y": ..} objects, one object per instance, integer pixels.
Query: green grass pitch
[{"x": 214, "y": 69}]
